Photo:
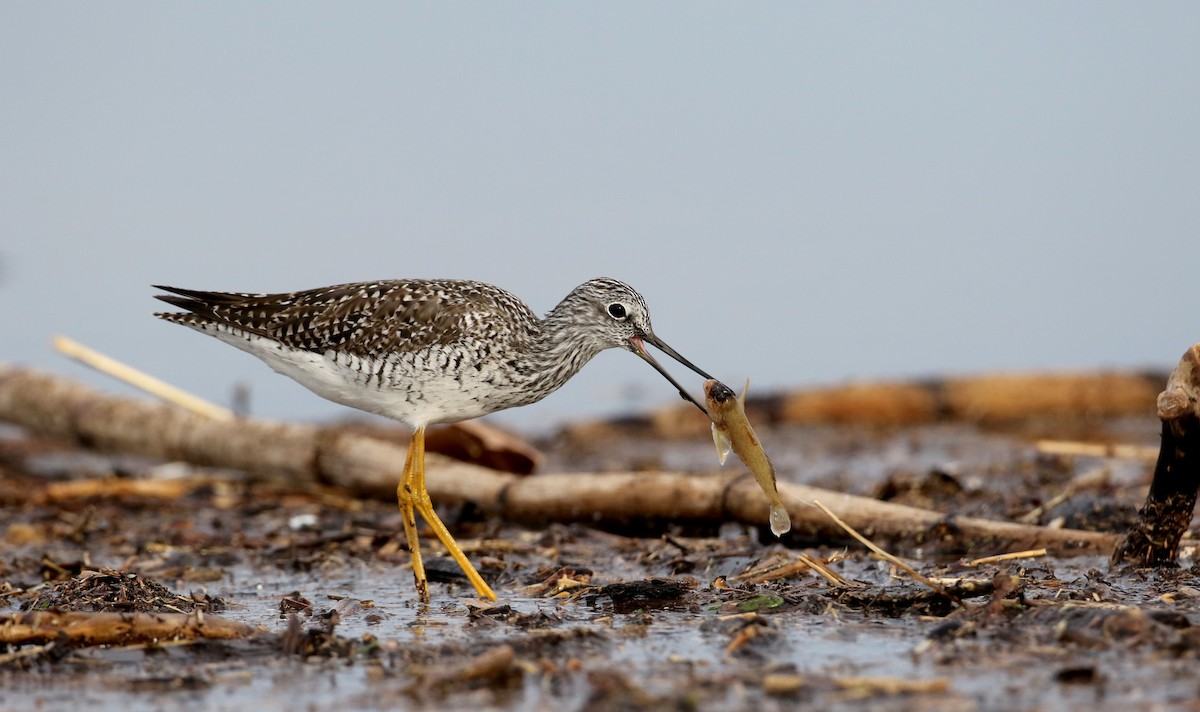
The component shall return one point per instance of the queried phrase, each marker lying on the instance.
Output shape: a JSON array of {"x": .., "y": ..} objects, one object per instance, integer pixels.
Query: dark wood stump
[{"x": 1167, "y": 513}]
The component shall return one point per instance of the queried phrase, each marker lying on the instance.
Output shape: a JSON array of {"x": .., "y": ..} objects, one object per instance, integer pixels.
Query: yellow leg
[
  {"x": 405, "y": 495},
  {"x": 412, "y": 494}
]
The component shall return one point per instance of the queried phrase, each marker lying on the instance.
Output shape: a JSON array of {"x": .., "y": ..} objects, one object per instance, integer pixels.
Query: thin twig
[
  {"x": 1092, "y": 478},
  {"x": 893, "y": 685},
  {"x": 783, "y": 568},
  {"x": 827, "y": 573},
  {"x": 1027, "y": 554},
  {"x": 917, "y": 576},
  {"x": 1082, "y": 449}
]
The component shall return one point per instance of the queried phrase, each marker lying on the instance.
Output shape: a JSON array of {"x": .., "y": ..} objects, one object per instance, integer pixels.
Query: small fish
[{"x": 731, "y": 430}]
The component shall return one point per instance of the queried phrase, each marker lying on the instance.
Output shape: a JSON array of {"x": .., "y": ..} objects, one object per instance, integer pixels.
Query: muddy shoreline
[{"x": 624, "y": 618}]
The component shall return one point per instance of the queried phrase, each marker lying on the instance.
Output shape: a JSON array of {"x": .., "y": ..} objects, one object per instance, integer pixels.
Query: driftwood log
[
  {"x": 1154, "y": 538},
  {"x": 307, "y": 454}
]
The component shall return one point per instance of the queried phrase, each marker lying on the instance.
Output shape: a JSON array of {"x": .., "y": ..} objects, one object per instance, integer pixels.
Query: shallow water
[{"x": 584, "y": 652}]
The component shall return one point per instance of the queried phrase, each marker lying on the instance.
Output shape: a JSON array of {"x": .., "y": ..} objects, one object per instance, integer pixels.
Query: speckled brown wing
[{"x": 363, "y": 319}]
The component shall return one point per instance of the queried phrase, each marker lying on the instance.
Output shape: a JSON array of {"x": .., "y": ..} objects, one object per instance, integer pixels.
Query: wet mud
[{"x": 703, "y": 617}]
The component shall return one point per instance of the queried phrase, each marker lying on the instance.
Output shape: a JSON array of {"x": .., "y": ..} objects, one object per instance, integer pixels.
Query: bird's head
[{"x": 614, "y": 315}]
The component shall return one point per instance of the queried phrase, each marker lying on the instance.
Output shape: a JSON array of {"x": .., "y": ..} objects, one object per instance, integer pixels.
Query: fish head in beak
[{"x": 717, "y": 392}]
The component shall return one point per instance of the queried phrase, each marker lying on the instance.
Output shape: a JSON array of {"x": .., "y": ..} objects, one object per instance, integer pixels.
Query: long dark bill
[{"x": 640, "y": 349}]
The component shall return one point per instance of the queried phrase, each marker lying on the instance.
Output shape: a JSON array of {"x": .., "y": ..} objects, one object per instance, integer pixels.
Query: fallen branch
[
  {"x": 366, "y": 466},
  {"x": 106, "y": 628},
  {"x": 1167, "y": 513}
]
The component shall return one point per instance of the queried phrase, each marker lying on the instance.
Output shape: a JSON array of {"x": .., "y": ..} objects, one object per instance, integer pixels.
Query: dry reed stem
[
  {"x": 138, "y": 379},
  {"x": 1027, "y": 554},
  {"x": 916, "y": 575},
  {"x": 1081, "y": 449}
]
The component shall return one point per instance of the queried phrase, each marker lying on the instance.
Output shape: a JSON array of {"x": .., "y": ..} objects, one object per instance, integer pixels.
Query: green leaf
[{"x": 764, "y": 602}]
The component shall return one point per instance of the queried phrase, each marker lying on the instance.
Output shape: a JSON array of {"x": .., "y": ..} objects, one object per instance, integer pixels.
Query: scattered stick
[
  {"x": 1091, "y": 478},
  {"x": 117, "y": 487},
  {"x": 365, "y": 466},
  {"x": 105, "y": 628},
  {"x": 1075, "y": 448},
  {"x": 1028, "y": 554},
  {"x": 825, "y": 572},
  {"x": 29, "y": 651},
  {"x": 494, "y": 663},
  {"x": 774, "y": 570},
  {"x": 138, "y": 379},
  {"x": 788, "y": 683},
  {"x": 1154, "y": 539},
  {"x": 916, "y": 575},
  {"x": 892, "y": 685},
  {"x": 767, "y": 571},
  {"x": 745, "y": 634}
]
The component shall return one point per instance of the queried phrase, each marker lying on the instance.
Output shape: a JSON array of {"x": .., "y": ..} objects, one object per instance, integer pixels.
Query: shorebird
[{"x": 425, "y": 352}]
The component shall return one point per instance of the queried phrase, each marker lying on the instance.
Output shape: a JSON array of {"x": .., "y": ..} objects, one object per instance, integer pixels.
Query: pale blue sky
[{"x": 805, "y": 193}]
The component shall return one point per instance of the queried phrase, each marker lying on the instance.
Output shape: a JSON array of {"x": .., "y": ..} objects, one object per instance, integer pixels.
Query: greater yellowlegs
[{"x": 426, "y": 352}]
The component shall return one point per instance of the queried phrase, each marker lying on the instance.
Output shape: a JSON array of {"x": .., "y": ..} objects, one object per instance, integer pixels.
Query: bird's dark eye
[{"x": 616, "y": 310}]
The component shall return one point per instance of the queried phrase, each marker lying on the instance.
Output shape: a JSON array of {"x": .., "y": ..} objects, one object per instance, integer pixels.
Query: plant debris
[{"x": 596, "y": 613}]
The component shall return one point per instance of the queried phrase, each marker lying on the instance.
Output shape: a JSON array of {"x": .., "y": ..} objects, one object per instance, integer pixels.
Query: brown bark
[
  {"x": 366, "y": 466},
  {"x": 482, "y": 444},
  {"x": 1171, "y": 501},
  {"x": 667, "y": 496},
  {"x": 470, "y": 441}
]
